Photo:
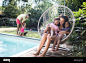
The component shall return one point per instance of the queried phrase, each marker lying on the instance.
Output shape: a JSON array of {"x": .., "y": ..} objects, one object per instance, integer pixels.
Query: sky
[
  {"x": 1, "y": 2},
  {"x": 28, "y": 0}
]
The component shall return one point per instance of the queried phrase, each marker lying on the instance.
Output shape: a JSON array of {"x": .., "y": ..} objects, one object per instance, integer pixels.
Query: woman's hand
[
  {"x": 62, "y": 32},
  {"x": 21, "y": 19}
]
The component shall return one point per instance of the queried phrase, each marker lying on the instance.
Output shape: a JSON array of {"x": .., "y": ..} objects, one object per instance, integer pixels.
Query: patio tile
[{"x": 59, "y": 53}]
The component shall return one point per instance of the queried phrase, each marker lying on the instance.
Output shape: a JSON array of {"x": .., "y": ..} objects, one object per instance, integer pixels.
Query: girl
[
  {"x": 47, "y": 38},
  {"x": 50, "y": 27},
  {"x": 21, "y": 33},
  {"x": 63, "y": 32}
]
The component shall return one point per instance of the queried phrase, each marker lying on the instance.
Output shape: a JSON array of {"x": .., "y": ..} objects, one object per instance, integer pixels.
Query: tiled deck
[{"x": 59, "y": 53}]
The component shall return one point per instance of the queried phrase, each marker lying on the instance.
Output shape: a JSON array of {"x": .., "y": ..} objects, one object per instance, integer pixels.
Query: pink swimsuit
[
  {"x": 55, "y": 27},
  {"x": 22, "y": 29}
]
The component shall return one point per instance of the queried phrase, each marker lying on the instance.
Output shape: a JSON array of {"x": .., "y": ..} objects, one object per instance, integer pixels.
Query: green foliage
[
  {"x": 27, "y": 23},
  {"x": 73, "y": 4},
  {"x": 84, "y": 8},
  {"x": 72, "y": 38},
  {"x": 78, "y": 13},
  {"x": 79, "y": 50},
  {"x": 11, "y": 10}
]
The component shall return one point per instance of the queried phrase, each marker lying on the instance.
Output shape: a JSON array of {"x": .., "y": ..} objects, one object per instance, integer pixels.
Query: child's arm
[
  {"x": 46, "y": 30},
  {"x": 52, "y": 32}
]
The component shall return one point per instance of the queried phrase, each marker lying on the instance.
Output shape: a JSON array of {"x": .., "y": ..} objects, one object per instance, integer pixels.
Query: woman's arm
[{"x": 64, "y": 32}]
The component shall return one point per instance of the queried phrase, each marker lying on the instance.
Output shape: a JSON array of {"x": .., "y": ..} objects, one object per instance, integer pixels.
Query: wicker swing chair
[{"x": 49, "y": 15}]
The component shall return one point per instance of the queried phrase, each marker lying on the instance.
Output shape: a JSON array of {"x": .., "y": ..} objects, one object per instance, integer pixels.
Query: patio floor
[{"x": 59, "y": 53}]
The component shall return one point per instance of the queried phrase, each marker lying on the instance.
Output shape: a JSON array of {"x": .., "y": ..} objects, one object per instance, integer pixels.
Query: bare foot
[
  {"x": 52, "y": 49},
  {"x": 55, "y": 50},
  {"x": 36, "y": 53},
  {"x": 41, "y": 55}
]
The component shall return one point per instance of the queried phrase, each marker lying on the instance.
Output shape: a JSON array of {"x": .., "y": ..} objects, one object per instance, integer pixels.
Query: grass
[
  {"x": 32, "y": 34},
  {"x": 7, "y": 27}
]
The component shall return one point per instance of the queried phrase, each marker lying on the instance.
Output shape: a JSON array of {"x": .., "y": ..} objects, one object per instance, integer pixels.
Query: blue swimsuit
[{"x": 67, "y": 28}]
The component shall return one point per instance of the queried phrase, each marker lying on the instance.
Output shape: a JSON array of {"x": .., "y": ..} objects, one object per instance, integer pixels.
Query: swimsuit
[
  {"x": 19, "y": 18},
  {"x": 55, "y": 27},
  {"x": 22, "y": 29}
]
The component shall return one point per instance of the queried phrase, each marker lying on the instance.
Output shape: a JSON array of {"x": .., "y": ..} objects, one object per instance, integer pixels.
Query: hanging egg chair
[{"x": 49, "y": 15}]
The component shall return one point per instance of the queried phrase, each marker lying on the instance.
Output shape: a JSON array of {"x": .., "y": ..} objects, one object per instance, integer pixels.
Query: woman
[
  {"x": 64, "y": 27},
  {"x": 20, "y": 20},
  {"x": 47, "y": 37}
]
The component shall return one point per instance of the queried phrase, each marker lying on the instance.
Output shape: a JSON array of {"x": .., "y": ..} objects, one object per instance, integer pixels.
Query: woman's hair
[
  {"x": 65, "y": 19},
  {"x": 29, "y": 14}
]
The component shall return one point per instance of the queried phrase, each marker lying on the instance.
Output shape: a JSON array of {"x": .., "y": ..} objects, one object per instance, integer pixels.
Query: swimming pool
[{"x": 11, "y": 45}]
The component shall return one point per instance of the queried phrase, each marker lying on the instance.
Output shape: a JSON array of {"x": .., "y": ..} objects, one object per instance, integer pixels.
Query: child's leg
[
  {"x": 48, "y": 30},
  {"x": 54, "y": 43},
  {"x": 19, "y": 33},
  {"x": 22, "y": 33},
  {"x": 58, "y": 41}
]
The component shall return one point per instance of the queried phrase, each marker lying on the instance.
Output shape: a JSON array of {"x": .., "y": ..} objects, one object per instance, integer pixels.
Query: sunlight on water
[
  {"x": 11, "y": 45},
  {"x": 1, "y": 41}
]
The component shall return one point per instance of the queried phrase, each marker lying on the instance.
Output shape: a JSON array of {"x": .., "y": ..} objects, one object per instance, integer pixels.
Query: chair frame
[{"x": 73, "y": 20}]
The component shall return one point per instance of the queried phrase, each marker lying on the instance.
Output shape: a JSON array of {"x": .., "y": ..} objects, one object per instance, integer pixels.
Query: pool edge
[
  {"x": 21, "y": 53},
  {"x": 20, "y": 36}
]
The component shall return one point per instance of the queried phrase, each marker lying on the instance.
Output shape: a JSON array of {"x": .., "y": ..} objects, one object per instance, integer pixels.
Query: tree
[
  {"x": 11, "y": 10},
  {"x": 79, "y": 49},
  {"x": 74, "y": 5}
]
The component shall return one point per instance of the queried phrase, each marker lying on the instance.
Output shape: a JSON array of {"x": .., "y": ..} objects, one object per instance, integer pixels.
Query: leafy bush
[{"x": 79, "y": 49}]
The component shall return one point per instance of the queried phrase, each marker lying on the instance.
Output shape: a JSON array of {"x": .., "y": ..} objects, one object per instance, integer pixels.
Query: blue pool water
[{"x": 10, "y": 45}]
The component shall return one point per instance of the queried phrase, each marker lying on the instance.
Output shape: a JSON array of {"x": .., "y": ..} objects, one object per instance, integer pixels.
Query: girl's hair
[
  {"x": 57, "y": 18},
  {"x": 69, "y": 23}
]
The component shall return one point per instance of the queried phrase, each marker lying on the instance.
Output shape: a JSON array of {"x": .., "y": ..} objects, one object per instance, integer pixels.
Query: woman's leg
[
  {"x": 46, "y": 46},
  {"x": 58, "y": 41},
  {"x": 18, "y": 25},
  {"x": 44, "y": 37}
]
